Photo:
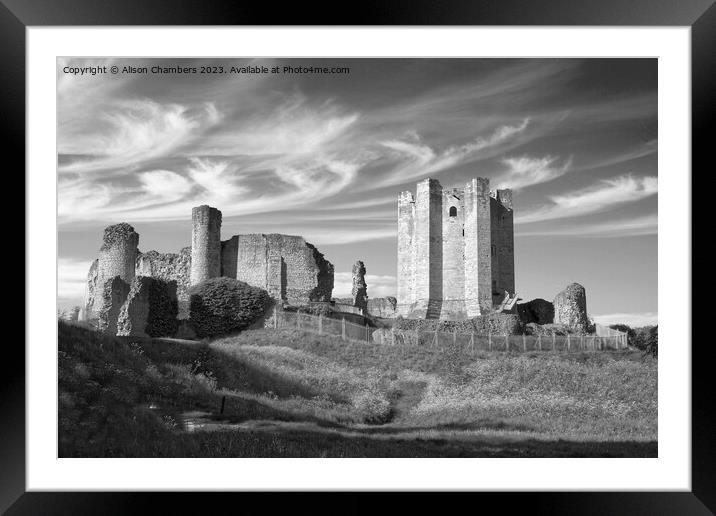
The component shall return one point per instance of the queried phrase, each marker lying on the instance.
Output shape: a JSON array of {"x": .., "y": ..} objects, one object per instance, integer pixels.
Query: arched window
[{"x": 453, "y": 211}]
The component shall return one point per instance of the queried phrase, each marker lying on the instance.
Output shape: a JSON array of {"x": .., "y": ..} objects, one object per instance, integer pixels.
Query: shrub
[
  {"x": 495, "y": 324},
  {"x": 651, "y": 340},
  {"x": 644, "y": 338},
  {"x": 219, "y": 306},
  {"x": 373, "y": 407}
]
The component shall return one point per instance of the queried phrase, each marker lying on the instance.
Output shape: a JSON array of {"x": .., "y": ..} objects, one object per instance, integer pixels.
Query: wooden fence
[{"x": 443, "y": 340}]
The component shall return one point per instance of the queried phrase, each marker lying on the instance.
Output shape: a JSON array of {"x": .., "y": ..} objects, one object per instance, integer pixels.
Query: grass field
[{"x": 292, "y": 394}]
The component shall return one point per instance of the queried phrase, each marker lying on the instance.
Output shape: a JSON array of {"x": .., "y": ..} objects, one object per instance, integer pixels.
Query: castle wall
[
  {"x": 117, "y": 257},
  {"x": 229, "y": 256},
  {"x": 276, "y": 277},
  {"x": 478, "y": 262},
  {"x": 169, "y": 267},
  {"x": 308, "y": 276},
  {"x": 89, "y": 311},
  {"x": 503, "y": 252},
  {"x": 118, "y": 253},
  {"x": 428, "y": 246},
  {"x": 359, "y": 291},
  {"x": 406, "y": 251},
  {"x": 252, "y": 259},
  {"x": 205, "y": 243},
  {"x": 453, "y": 259}
]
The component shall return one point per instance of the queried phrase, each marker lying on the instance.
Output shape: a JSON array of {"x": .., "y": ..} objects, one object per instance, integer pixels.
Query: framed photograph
[{"x": 422, "y": 250}]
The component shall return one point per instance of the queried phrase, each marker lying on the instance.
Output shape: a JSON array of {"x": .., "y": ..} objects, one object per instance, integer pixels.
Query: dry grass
[{"x": 302, "y": 395}]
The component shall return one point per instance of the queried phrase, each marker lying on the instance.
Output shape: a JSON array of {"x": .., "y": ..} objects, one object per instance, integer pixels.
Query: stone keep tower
[
  {"x": 205, "y": 244},
  {"x": 455, "y": 250},
  {"x": 118, "y": 254}
]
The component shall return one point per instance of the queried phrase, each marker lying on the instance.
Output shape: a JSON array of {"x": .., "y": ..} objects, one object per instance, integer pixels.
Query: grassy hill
[{"x": 293, "y": 394}]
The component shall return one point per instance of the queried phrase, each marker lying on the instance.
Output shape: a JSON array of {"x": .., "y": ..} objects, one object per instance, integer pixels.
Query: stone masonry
[
  {"x": 292, "y": 270},
  {"x": 304, "y": 275},
  {"x": 205, "y": 243},
  {"x": 570, "y": 308},
  {"x": 150, "y": 309},
  {"x": 455, "y": 250},
  {"x": 117, "y": 257},
  {"x": 169, "y": 267},
  {"x": 359, "y": 293},
  {"x": 114, "y": 294}
]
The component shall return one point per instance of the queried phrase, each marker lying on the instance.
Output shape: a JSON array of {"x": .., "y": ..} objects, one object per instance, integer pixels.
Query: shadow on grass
[
  {"x": 301, "y": 443},
  {"x": 231, "y": 373}
]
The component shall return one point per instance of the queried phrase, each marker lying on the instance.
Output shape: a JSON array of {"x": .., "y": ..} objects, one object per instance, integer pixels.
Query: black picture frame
[{"x": 700, "y": 15}]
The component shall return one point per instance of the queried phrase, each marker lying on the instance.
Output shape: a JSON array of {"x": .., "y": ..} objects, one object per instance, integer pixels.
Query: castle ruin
[
  {"x": 455, "y": 250},
  {"x": 292, "y": 270}
]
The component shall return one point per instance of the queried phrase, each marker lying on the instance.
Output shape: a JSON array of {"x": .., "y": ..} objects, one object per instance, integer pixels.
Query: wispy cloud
[
  {"x": 635, "y": 320},
  {"x": 71, "y": 278},
  {"x": 526, "y": 171},
  {"x": 287, "y": 127},
  {"x": 640, "y": 151},
  {"x": 636, "y": 226},
  {"x": 598, "y": 198},
  {"x": 377, "y": 285},
  {"x": 417, "y": 160},
  {"x": 135, "y": 131}
]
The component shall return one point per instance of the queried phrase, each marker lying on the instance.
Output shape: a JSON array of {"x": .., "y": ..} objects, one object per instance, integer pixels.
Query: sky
[{"x": 325, "y": 155}]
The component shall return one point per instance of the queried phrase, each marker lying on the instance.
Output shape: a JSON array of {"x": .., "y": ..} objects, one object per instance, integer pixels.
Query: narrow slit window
[{"x": 453, "y": 211}]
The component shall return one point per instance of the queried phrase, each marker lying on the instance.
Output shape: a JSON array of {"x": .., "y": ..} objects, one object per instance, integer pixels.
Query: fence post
[
  {"x": 343, "y": 328},
  {"x": 507, "y": 342},
  {"x": 489, "y": 341},
  {"x": 275, "y": 318},
  {"x": 569, "y": 342},
  {"x": 581, "y": 342},
  {"x": 392, "y": 335},
  {"x": 320, "y": 324},
  {"x": 539, "y": 341},
  {"x": 366, "y": 333},
  {"x": 524, "y": 342},
  {"x": 435, "y": 339}
]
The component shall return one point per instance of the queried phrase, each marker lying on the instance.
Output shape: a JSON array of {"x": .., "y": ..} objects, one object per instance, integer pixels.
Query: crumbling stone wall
[
  {"x": 276, "y": 278},
  {"x": 488, "y": 324},
  {"x": 406, "y": 251},
  {"x": 205, "y": 243},
  {"x": 114, "y": 294},
  {"x": 229, "y": 255},
  {"x": 169, "y": 267},
  {"x": 118, "y": 253},
  {"x": 359, "y": 292},
  {"x": 570, "y": 308},
  {"x": 117, "y": 257},
  {"x": 308, "y": 275},
  {"x": 89, "y": 311},
  {"x": 384, "y": 307},
  {"x": 150, "y": 309},
  {"x": 503, "y": 246},
  {"x": 291, "y": 268}
]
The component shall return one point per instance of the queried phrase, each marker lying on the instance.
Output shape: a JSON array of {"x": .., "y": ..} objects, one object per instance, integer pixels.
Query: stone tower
[
  {"x": 118, "y": 254},
  {"x": 205, "y": 244},
  {"x": 455, "y": 250},
  {"x": 359, "y": 293}
]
